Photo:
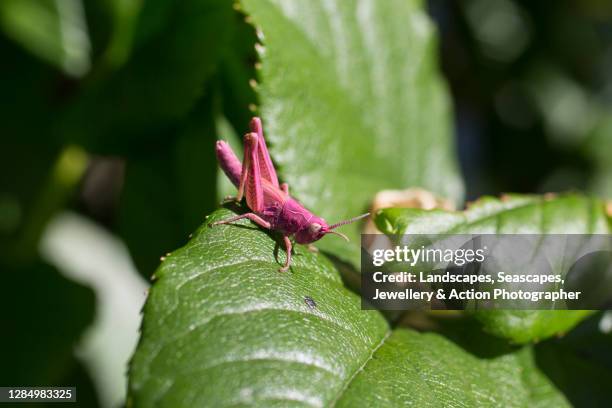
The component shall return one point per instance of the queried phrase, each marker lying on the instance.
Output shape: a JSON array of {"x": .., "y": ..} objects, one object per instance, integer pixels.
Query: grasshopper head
[
  {"x": 317, "y": 228},
  {"x": 313, "y": 231}
]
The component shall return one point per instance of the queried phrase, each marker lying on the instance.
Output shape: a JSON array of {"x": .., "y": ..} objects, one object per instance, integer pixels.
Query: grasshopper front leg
[{"x": 288, "y": 248}]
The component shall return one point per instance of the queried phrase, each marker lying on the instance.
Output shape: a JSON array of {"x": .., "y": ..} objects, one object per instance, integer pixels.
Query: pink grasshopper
[{"x": 271, "y": 205}]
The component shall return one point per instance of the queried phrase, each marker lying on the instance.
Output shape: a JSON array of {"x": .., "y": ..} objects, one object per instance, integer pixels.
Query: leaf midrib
[{"x": 350, "y": 379}]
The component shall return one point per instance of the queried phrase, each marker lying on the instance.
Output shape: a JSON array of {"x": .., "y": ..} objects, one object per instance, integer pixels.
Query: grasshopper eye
[{"x": 314, "y": 228}]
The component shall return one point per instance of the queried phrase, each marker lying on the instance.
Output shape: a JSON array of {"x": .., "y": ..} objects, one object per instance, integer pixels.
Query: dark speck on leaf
[{"x": 310, "y": 302}]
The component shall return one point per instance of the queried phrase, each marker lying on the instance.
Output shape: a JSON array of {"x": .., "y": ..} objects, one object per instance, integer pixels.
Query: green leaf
[
  {"x": 354, "y": 105},
  {"x": 223, "y": 327},
  {"x": 512, "y": 214},
  {"x": 221, "y": 322},
  {"x": 523, "y": 326},
  {"x": 413, "y": 369}
]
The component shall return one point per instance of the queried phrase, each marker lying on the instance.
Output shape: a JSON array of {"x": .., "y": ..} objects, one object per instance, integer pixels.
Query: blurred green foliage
[
  {"x": 111, "y": 108},
  {"x": 530, "y": 80}
]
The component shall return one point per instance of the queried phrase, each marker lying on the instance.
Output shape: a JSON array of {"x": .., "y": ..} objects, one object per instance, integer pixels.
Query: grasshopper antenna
[
  {"x": 339, "y": 233},
  {"x": 349, "y": 221}
]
